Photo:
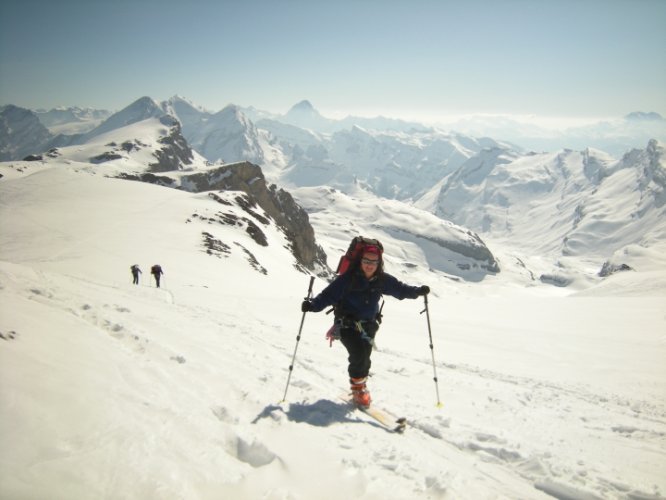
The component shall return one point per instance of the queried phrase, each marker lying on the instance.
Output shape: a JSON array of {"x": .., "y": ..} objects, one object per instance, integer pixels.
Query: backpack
[
  {"x": 348, "y": 260},
  {"x": 355, "y": 252},
  {"x": 156, "y": 269},
  {"x": 352, "y": 258}
]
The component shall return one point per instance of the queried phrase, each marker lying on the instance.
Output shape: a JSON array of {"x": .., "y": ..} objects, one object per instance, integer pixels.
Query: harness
[{"x": 333, "y": 333}]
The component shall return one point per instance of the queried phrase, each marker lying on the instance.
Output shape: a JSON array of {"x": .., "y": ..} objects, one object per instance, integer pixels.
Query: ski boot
[{"x": 360, "y": 393}]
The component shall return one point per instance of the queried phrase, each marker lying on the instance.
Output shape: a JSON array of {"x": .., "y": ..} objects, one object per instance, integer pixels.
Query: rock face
[
  {"x": 609, "y": 268},
  {"x": 175, "y": 152},
  {"x": 277, "y": 203},
  {"x": 473, "y": 248}
]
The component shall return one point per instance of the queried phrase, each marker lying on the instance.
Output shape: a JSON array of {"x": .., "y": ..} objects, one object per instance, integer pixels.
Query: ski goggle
[{"x": 370, "y": 262}]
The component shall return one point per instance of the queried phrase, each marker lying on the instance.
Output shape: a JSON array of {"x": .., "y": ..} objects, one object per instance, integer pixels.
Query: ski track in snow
[
  {"x": 606, "y": 418},
  {"x": 622, "y": 423},
  {"x": 625, "y": 423}
]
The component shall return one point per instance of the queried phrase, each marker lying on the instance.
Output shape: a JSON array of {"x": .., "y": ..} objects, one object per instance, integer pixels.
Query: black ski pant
[{"x": 359, "y": 347}]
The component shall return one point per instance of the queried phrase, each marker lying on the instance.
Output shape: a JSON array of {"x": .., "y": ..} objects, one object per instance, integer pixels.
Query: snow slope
[{"x": 111, "y": 390}]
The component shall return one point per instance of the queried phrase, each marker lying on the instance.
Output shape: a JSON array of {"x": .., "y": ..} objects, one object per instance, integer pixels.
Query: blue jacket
[{"x": 358, "y": 297}]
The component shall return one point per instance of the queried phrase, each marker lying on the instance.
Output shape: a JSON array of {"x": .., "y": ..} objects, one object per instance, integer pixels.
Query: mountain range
[
  {"x": 512, "y": 388},
  {"x": 542, "y": 332},
  {"x": 567, "y": 214},
  {"x": 533, "y": 369}
]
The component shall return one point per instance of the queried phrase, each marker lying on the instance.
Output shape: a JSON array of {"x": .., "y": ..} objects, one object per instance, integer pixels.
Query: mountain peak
[
  {"x": 303, "y": 106},
  {"x": 230, "y": 109},
  {"x": 180, "y": 100},
  {"x": 304, "y": 115},
  {"x": 141, "y": 109},
  {"x": 145, "y": 102}
]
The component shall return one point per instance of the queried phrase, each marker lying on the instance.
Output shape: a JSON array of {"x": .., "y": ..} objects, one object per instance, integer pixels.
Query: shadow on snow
[{"x": 321, "y": 413}]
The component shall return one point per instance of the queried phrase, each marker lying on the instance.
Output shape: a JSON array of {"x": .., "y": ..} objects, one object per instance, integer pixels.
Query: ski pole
[
  {"x": 432, "y": 349},
  {"x": 298, "y": 338}
]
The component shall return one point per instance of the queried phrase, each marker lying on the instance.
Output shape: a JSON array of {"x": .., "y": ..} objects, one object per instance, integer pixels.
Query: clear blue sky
[{"x": 411, "y": 58}]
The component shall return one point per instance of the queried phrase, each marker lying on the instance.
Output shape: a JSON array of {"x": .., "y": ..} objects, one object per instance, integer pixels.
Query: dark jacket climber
[
  {"x": 356, "y": 295},
  {"x": 135, "y": 274},
  {"x": 156, "y": 271}
]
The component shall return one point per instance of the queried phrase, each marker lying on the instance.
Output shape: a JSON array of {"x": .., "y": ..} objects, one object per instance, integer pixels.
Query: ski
[{"x": 386, "y": 419}]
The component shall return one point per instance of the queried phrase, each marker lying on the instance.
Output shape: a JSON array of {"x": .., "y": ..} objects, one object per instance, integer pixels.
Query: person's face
[{"x": 369, "y": 263}]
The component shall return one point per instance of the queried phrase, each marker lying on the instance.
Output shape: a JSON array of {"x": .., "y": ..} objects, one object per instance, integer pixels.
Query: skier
[
  {"x": 156, "y": 271},
  {"x": 355, "y": 295},
  {"x": 135, "y": 274}
]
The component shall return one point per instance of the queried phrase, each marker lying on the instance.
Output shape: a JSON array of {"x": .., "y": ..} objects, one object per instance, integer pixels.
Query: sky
[{"x": 416, "y": 59}]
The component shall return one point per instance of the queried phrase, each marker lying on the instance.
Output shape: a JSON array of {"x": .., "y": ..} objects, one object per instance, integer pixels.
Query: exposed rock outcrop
[
  {"x": 292, "y": 219},
  {"x": 277, "y": 203},
  {"x": 474, "y": 249},
  {"x": 609, "y": 268},
  {"x": 175, "y": 152}
]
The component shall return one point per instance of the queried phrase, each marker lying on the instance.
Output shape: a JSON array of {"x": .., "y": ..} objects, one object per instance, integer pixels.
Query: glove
[
  {"x": 424, "y": 290},
  {"x": 306, "y": 306}
]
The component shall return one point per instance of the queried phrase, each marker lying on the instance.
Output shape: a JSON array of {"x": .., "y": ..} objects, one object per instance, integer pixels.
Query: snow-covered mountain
[
  {"x": 304, "y": 115},
  {"x": 573, "y": 206},
  {"x": 613, "y": 136},
  {"x": 115, "y": 390},
  {"x": 395, "y": 165},
  {"x": 302, "y": 148},
  {"x": 411, "y": 237},
  {"x": 152, "y": 150},
  {"x": 71, "y": 121},
  {"x": 227, "y": 136},
  {"x": 546, "y": 206},
  {"x": 21, "y": 133},
  {"x": 139, "y": 110},
  {"x": 43, "y": 139},
  {"x": 153, "y": 144}
]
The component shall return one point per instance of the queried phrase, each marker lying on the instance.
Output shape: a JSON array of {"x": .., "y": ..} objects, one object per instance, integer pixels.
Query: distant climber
[
  {"x": 156, "y": 271},
  {"x": 135, "y": 274}
]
